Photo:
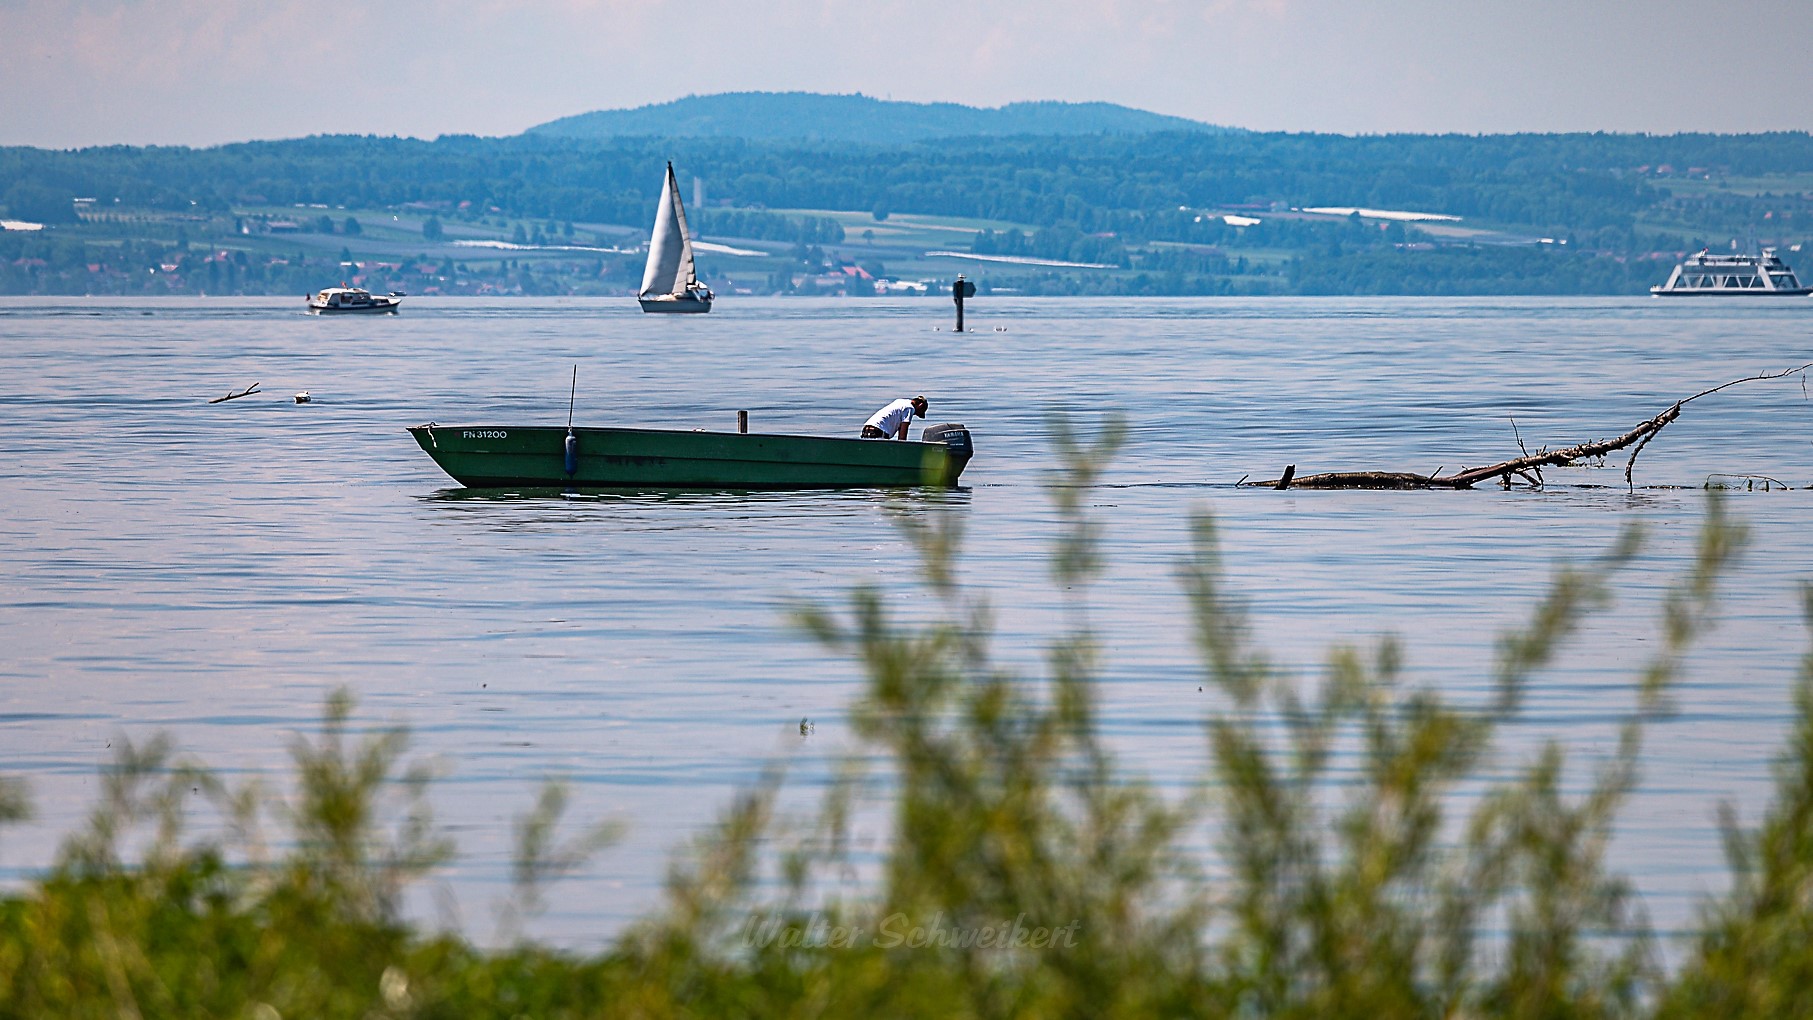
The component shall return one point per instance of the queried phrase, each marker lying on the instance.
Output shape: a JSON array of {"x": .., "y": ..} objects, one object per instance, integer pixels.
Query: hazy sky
[{"x": 85, "y": 72}]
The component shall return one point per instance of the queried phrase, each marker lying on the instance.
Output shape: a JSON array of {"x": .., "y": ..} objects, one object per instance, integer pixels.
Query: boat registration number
[{"x": 485, "y": 434}]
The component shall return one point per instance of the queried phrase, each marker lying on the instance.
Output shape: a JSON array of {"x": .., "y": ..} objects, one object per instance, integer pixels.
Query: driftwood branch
[
  {"x": 1528, "y": 467},
  {"x": 248, "y": 391}
]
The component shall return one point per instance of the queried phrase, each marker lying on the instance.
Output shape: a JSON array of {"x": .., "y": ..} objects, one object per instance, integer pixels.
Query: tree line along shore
[{"x": 1180, "y": 213}]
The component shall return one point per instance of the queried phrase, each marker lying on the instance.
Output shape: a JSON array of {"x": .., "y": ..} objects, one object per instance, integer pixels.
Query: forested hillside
[
  {"x": 1176, "y": 212},
  {"x": 778, "y": 116}
]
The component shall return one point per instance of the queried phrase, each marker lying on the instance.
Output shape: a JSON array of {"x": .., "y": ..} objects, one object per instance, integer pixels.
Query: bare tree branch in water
[{"x": 1528, "y": 467}]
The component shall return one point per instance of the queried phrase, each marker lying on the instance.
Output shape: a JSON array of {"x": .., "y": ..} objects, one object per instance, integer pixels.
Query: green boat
[{"x": 621, "y": 458}]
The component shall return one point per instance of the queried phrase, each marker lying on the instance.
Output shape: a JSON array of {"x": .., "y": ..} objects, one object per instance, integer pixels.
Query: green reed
[{"x": 1024, "y": 871}]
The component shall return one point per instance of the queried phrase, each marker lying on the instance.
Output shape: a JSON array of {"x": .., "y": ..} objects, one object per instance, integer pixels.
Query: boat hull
[
  {"x": 621, "y": 458},
  {"x": 684, "y": 305},
  {"x": 372, "y": 309},
  {"x": 1711, "y": 292}
]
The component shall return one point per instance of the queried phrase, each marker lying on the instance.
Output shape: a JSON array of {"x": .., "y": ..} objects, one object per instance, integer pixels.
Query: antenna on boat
[{"x": 572, "y": 443}]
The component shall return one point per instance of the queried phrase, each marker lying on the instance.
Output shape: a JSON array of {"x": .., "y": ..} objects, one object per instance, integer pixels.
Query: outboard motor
[
  {"x": 952, "y": 435},
  {"x": 956, "y": 439}
]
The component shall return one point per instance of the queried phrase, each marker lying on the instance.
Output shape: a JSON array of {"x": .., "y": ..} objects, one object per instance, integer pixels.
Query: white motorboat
[{"x": 353, "y": 299}]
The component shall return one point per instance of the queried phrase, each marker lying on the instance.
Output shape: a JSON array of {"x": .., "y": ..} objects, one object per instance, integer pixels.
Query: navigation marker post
[{"x": 960, "y": 289}]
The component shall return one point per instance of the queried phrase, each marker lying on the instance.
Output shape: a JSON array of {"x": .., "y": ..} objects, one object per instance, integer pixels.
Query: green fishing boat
[{"x": 625, "y": 458}]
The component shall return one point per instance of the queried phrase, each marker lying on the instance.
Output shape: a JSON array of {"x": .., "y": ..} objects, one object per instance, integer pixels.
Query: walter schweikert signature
[{"x": 898, "y": 931}]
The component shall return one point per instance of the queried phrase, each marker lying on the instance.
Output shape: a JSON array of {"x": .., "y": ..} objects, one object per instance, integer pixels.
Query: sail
[
  {"x": 670, "y": 265},
  {"x": 688, "y": 276}
]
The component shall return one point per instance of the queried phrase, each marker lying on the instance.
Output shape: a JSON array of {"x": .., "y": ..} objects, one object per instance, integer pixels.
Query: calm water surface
[{"x": 212, "y": 571}]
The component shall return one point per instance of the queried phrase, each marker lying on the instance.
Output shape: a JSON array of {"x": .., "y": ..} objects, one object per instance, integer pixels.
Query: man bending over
[{"x": 891, "y": 422}]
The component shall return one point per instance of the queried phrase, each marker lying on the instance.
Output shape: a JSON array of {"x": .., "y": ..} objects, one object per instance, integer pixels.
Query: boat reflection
[
  {"x": 711, "y": 498},
  {"x": 687, "y": 509}
]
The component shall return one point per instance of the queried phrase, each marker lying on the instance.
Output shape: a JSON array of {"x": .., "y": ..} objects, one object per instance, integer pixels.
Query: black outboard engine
[
  {"x": 956, "y": 439},
  {"x": 952, "y": 435}
]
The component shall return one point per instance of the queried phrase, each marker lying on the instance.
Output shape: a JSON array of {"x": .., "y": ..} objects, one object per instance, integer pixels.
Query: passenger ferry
[
  {"x": 352, "y": 299},
  {"x": 1706, "y": 275}
]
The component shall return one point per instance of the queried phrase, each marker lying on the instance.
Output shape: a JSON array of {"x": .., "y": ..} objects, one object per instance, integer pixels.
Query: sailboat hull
[{"x": 670, "y": 303}]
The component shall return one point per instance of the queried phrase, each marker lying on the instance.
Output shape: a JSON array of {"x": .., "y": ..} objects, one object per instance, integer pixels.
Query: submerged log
[
  {"x": 1528, "y": 467},
  {"x": 1369, "y": 480}
]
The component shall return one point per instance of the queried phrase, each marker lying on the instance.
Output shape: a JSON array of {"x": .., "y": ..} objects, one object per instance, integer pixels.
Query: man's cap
[{"x": 920, "y": 404}]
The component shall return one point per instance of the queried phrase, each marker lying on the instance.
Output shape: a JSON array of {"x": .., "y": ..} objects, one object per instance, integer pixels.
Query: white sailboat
[{"x": 670, "y": 283}]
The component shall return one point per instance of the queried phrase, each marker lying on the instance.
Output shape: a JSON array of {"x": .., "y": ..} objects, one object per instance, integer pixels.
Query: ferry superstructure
[{"x": 1707, "y": 275}]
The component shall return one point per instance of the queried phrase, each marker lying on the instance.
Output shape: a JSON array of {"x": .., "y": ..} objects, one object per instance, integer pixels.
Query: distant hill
[{"x": 778, "y": 116}]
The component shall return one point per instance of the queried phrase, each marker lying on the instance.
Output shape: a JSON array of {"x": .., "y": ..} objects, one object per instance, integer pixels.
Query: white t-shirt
[{"x": 890, "y": 418}]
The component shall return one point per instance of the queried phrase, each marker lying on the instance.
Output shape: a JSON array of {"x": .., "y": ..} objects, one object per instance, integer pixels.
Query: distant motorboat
[
  {"x": 353, "y": 299},
  {"x": 1707, "y": 275},
  {"x": 670, "y": 283}
]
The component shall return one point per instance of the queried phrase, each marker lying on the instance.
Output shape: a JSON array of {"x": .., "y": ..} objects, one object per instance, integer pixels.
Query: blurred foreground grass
[{"x": 1025, "y": 875}]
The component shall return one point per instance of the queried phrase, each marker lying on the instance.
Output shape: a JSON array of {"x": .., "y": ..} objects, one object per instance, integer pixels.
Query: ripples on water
[{"x": 213, "y": 570}]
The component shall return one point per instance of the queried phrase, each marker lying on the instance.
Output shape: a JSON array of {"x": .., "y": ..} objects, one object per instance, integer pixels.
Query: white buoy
[{"x": 302, "y": 398}]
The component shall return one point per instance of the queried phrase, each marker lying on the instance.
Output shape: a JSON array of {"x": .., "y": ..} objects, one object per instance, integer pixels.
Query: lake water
[{"x": 213, "y": 571}]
